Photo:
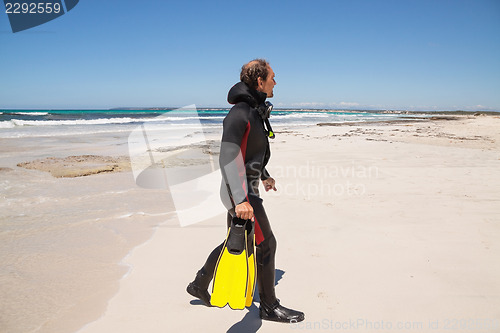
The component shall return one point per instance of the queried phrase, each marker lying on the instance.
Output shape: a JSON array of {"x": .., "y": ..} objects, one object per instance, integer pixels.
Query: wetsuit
[{"x": 244, "y": 134}]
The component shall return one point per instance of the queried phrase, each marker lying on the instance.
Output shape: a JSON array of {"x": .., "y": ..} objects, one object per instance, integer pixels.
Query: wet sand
[{"x": 65, "y": 229}]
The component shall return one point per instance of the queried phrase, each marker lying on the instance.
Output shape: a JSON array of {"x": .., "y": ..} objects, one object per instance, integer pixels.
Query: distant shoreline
[{"x": 445, "y": 112}]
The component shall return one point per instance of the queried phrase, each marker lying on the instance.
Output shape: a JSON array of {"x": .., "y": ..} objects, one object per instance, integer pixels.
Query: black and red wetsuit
[
  {"x": 245, "y": 135},
  {"x": 244, "y": 131}
]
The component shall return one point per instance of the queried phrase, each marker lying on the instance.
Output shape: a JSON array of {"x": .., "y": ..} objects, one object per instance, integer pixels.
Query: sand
[
  {"x": 380, "y": 227},
  {"x": 79, "y": 166}
]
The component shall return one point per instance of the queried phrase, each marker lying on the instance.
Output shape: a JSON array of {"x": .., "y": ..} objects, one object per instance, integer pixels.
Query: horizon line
[{"x": 229, "y": 107}]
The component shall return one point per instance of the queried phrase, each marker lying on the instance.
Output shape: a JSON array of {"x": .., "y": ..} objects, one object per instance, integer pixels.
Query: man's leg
[
  {"x": 198, "y": 288},
  {"x": 270, "y": 308},
  {"x": 266, "y": 251}
]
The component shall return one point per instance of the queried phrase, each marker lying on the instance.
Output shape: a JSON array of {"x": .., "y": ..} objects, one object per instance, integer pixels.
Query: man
[{"x": 245, "y": 137}]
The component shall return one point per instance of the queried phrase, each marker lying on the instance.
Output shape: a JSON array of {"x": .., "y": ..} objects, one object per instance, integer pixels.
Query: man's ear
[{"x": 260, "y": 82}]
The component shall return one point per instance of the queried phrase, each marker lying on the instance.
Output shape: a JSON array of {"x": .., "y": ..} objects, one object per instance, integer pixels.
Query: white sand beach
[{"x": 380, "y": 227}]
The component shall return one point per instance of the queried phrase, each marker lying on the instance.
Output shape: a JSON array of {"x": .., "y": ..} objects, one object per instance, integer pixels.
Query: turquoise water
[{"x": 23, "y": 123}]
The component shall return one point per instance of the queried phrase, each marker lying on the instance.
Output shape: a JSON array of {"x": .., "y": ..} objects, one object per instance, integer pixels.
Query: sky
[{"x": 352, "y": 54}]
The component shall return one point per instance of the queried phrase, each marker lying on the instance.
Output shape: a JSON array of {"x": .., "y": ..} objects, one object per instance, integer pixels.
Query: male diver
[{"x": 245, "y": 136}]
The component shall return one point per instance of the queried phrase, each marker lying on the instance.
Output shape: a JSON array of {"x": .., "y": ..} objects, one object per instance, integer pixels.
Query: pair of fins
[{"x": 235, "y": 273}]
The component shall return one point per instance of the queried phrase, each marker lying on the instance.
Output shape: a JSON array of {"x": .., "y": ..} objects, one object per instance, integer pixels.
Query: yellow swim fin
[
  {"x": 252, "y": 270},
  {"x": 231, "y": 276}
]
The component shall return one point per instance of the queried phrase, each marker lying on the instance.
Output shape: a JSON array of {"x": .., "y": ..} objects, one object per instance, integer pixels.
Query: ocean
[{"x": 43, "y": 123}]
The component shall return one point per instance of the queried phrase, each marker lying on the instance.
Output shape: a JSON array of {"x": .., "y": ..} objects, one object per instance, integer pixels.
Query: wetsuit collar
[
  {"x": 259, "y": 96},
  {"x": 241, "y": 92}
]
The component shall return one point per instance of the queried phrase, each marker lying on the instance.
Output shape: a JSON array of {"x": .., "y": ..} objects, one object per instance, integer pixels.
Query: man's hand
[
  {"x": 269, "y": 184},
  {"x": 244, "y": 211}
]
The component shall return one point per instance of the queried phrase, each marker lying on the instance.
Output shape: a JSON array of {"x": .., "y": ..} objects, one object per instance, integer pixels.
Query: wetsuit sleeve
[
  {"x": 236, "y": 127},
  {"x": 265, "y": 174}
]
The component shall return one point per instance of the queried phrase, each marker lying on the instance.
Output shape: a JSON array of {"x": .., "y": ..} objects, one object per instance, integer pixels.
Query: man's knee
[{"x": 266, "y": 249}]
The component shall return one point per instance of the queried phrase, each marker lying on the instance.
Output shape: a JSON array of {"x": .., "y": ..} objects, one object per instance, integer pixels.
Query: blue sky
[{"x": 414, "y": 55}]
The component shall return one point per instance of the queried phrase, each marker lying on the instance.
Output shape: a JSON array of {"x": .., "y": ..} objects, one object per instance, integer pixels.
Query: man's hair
[{"x": 252, "y": 70}]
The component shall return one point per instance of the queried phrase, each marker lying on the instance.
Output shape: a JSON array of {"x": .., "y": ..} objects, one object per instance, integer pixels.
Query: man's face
[{"x": 267, "y": 86}]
